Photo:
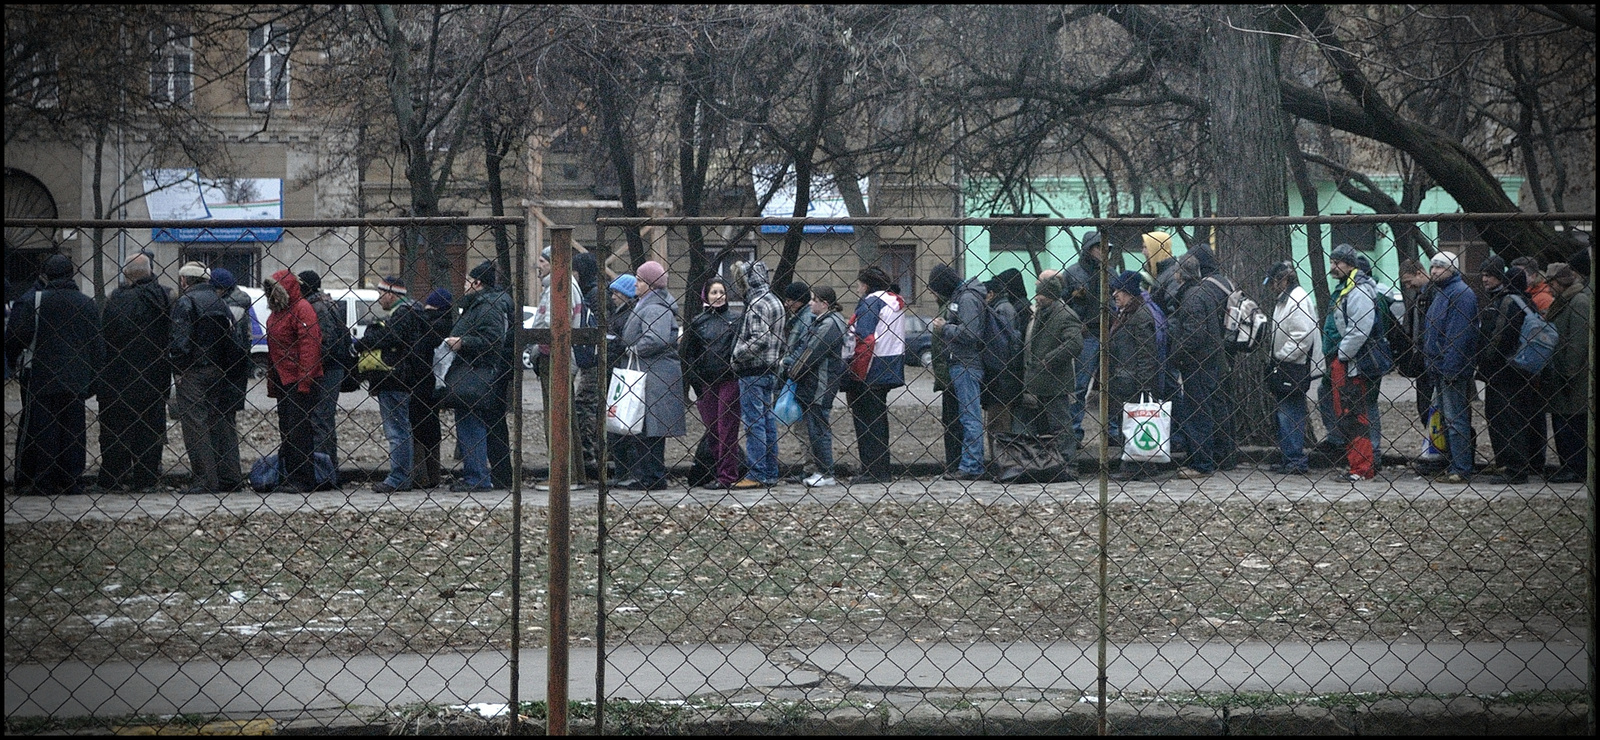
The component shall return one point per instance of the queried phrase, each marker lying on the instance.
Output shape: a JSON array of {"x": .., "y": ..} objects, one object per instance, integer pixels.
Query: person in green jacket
[{"x": 1051, "y": 344}]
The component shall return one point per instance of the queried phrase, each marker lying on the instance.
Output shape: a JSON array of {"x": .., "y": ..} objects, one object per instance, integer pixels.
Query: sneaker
[
  {"x": 382, "y": 487},
  {"x": 1192, "y": 474},
  {"x": 1357, "y": 477},
  {"x": 821, "y": 481},
  {"x": 747, "y": 484},
  {"x": 1450, "y": 478},
  {"x": 811, "y": 480}
]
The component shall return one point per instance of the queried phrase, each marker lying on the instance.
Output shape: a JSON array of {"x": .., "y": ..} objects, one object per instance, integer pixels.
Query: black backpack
[
  {"x": 338, "y": 344},
  {"x": 1000, "y": 343}
]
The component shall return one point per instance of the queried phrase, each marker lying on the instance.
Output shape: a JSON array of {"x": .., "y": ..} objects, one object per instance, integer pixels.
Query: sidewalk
[{"x": 903, "y": 675}]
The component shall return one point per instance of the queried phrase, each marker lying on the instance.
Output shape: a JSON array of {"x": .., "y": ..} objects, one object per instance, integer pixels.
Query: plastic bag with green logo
[{"x": 1147, "y": 430}]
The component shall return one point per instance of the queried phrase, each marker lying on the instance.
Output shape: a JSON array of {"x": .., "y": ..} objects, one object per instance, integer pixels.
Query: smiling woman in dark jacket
[{"x": 708, "y": 363}]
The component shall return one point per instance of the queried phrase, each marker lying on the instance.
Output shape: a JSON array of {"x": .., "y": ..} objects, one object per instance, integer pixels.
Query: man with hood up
[
  {"x": 757, "y": 353},
  {"x": 294, "y": 351},
  {"x": 1198, "y": 358}
]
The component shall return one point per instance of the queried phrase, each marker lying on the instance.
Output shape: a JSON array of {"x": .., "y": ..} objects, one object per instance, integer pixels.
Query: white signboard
[
  {"x": 184, "y": 195},
  {"x": 825, "y": 200}
]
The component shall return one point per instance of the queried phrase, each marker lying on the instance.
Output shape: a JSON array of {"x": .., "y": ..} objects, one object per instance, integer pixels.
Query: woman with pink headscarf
[{"x": 650, "y": 337}]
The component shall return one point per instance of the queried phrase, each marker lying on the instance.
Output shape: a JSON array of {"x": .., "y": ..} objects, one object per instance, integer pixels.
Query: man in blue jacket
[
  {"x": 1450, "y": 344},
  {"x": 960, "y": 327}
]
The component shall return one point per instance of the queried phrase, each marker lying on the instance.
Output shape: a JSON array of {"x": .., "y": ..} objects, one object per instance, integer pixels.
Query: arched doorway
[{"x": 26, "y": 246}]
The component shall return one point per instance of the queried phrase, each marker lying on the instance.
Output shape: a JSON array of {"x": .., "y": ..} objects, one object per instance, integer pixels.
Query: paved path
[
  {"x": 903, "y": 673},
  {"x": 1242, "y": 484}
]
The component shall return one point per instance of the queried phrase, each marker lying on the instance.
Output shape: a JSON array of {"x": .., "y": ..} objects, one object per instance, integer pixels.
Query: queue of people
[{"x": 1002, "y": 363}]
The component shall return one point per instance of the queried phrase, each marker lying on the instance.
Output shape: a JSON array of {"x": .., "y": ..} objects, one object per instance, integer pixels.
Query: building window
[
  {"x": 172, "y": 73},
  {"x": 899, "y": 262},
  {"x": 269, "y": 67},
  {"x": 1017, "y": 237},
  {"x": 31, "y": 78},
  {"x": 1364, "y": 237},
  {"x": 723, "y": 268}
]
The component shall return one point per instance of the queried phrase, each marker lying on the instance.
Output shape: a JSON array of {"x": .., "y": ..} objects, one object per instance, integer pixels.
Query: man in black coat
[
  {"x": 394, "y": 340},
  {"x": 59, "y": 327},
  {"x": 136, "y": 324},
  {"x": 1201, "y": 411}
]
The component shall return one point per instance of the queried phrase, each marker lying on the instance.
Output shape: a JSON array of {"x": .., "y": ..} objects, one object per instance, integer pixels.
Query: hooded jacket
[
  {"x": 963, "y": 330},
  {"x": 1354, "y": 319},
  {"x": 758, "y": 348},
  {"x": 294, "y": 340}
]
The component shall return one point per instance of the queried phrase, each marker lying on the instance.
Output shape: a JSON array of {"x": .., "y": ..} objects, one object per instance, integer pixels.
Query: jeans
[
  {"x": 1454, "y": 398},
  {"x": 761, "y": 426},
  {"x": 473, "y": 432},
  {"x": 950, "y": 421},
  {"x": 967, "y": 383},
  {"x": 820, "y": 434},
  {"x": 395, "y": 408},
  {"x": 719, "y": 411},
  {"x": 1293, "y": 427},
  {"x": 1196, "y": 414},
  {"x": 1088, "y": 365}
]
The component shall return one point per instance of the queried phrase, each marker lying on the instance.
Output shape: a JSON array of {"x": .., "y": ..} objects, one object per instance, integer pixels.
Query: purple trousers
[{"x": 719, "y": 410}]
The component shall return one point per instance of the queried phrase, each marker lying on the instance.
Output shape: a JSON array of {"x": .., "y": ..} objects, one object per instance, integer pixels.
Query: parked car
[
  {"x": 361, "y": 310},
  {"x": 919, "y": 341}
]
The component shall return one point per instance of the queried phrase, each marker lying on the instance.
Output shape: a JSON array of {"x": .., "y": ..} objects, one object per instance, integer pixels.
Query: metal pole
[
  {"x": 560, "y": 415},
  {"x": 1104, "y": 373},
  {"x": 602, "y": 313},
  {"x": 1589, "y": 486},
  {"x": 519, "y": 293}
]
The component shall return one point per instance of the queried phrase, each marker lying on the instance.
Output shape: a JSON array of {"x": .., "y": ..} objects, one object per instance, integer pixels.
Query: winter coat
[
  {"x": 963, "y": 331},
  {"x": 795, "y": 331},
  {"x": 194, "y": 319},
  {"x": 1295, "y": 339},
  {"x": 616, "y": 319},
  {"x": 817, "y": 377},
  {"x": 1133, "y": 353},
  {"x": 69, "y": 350},
  {"x": 1569, "y": 375},
  {"x": 1195, "y": 329},
  {"x": 1499, "y": 334},
  {"x": 651, "y": 333},
  {"x": 708, "y": 347},
  {"x": 483, "y": 326},
  {"x": 1354, "y": 320},
  {"x": 237, "y": 379},
  {"x": 294, "y": 341},
  {"x": 136, "y": 324},
  {"x": 1082, "y": 292},
  {"x": 1164, "y": 286},
  {"x": 396, "y": 338},
  {"x": 758, "y": 348},
  {"x": 1450, "y": 334},
  {"x": 331, "y": 321},
  {"x": 1051, "y": 345},
  {"x": 880, "y": 318}
]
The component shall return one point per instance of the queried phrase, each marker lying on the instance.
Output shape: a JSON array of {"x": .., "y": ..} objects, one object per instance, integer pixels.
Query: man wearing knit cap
[
  {"x": 236, "y": 371},
  {"x": 1510, "y": 395},
  {"x": 135, "y": 323},
  {"x": 757, "y": 353},
  {"x": 480, "y": 339},
  {"x": 1450, "y": 348},
  {"x": 1350, "y": 331},
  {"x": 58, "y": 328},
  {"x": 958, "y": 332},
  {"x": 394, "y": 339},
  {"x": 797, "y": 307},
  {"x": 203, "y": 348},
  {"x": 1083, "y": 296}
]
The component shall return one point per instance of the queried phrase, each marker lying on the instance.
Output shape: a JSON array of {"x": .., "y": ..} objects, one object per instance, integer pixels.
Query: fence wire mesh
[{"x": 971, "y": 549}]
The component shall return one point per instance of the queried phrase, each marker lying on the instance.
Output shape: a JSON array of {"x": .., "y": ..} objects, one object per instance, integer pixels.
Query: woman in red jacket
[{"x": 294, "y": 349}]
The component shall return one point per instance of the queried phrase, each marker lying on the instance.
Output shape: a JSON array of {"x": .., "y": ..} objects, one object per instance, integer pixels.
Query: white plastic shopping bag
[
  {"x": 625, "y": 400},
  {"x": 1147, "y": 430},
  {"x": 443, "y": 358}
]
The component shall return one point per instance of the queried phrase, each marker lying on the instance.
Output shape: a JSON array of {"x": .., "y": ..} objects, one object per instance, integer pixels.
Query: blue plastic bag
[
  {"x": 787, "y": 409},
  {"x": 267, "y": 472}
]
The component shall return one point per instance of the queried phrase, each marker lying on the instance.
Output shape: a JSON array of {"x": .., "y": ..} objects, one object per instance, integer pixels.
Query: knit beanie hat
[
  {"x": 653, "y": 274},
  {"x": 222, "y": 279},
  {"x": 1447, "y": 260},
  {"x": 944, "y": 280},
  {"x": 797, "y": 291},
  {"x": 439, "y": 298},
  {"x": 627, "y": 285},
  {"x": 58, "y": 266},
  {"x": 483, "y": 273},
  {"x": 193, "y": 270},
  {"x": 310, "y": 281},
  {"x": 1127, "y": 281},
  {"x": 1493, "y": 266}
]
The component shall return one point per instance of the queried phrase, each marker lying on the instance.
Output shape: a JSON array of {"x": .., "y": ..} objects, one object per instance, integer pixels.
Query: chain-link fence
[{"x": 1050, "y": 498}]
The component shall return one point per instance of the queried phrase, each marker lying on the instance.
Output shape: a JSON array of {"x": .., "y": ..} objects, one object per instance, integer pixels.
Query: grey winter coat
[
  {"x": 1568, "y": 376},
  {"x": 651, "y": 336}
]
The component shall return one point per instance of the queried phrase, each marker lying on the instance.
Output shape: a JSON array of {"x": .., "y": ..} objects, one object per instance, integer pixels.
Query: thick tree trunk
[{"x": 1248, "y": 160}]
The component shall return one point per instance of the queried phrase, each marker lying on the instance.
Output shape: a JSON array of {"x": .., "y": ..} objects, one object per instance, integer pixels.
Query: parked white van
[{"x": 361, "y": 310}]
